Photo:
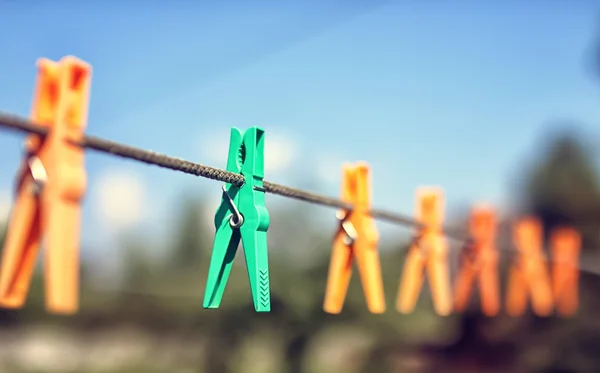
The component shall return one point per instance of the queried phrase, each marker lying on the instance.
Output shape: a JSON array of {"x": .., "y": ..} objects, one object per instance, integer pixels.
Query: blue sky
[{"x": 429, "y": 93}]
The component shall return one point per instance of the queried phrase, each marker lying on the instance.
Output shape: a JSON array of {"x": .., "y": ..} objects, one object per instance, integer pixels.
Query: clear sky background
[{"x": 455, "y": 93}]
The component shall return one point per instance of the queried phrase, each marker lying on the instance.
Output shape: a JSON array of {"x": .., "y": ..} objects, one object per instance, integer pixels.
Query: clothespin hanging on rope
[
  {"x": 242, "y": 215},
  {"x": 356, "y": 239},
  {"x": 479, "y": 261},
  {"x": 50, "y": 189},
  {"x": 428, "y": 253},
  {"x": 528, "y": 276},
  {"x": 566, "y": 245}
]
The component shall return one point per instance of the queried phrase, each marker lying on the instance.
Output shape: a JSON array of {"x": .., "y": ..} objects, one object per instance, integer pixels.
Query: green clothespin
[{"x": 242, "y": 214}]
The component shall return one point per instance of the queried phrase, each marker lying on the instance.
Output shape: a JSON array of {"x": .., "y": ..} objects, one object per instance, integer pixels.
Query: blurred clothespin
[
  {"x": 479, "y": 261},
  {"x": 566, "y": 245},
  {"x": 528, "y": 276},
  {"x": 243, "y": 215},
  {"x": 51, "y": 186},
  {"x": 356, "y": 239},
  {"x": 428, "y": 252}
]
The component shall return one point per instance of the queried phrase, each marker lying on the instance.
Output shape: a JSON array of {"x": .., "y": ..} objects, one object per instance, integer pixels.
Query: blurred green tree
[{"x": 562, "y": 187}]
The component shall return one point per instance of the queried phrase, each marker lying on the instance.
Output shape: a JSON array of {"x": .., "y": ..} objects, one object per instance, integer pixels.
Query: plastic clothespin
[
  {"x": 51, "y": 186},
  {"x": 428, "y": 252},
  {"x": 566, "y": 245},
  {"x": 480, "y": 262},
  {"x": 242, "y": 215},
  {"x": 528, "y": 276},
  {"x": 356, "y": 239}
]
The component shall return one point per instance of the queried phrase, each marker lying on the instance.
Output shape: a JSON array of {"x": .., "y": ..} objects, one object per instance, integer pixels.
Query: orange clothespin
[
  {"x": 356, "y": 238},
  {"x": 429, "y": 252},
  {"x": 528, "y": 275},
  {"x": 50, "y": 189},
  {"x": 566, "y": 246},
  {"x": 480, "y": 262}
]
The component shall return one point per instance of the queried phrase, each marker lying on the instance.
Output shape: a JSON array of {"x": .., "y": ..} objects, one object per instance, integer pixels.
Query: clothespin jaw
[
  {"x": 243, "y": 215},
  {"x": 430, "y": 209},
  {"x": 483, "y": 225},
  {"x": 479, "y": 262},
  {"x": 566, "y": 246},
  {"x": 529, "y": 276},
  {"x": 356, "y": 238},
  {"x": 429, "y": 253},
  {"x": 51, "y": 186}
]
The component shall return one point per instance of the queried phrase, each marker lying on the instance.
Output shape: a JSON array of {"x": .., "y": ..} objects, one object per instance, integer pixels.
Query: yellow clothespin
[
  {"x": 356, "y": 239},
  {"x": 50, "y": 189},
  {"x": 479, "y": 263},
  {"x": 429, "y": 252},
  {"x": 566, "y": 246},
  {"x": 528, "y": 275}
]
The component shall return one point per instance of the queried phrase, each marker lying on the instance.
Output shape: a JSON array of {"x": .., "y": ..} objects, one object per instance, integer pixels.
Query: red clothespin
[
  {"x": 356, "y": 238},
  {"x": 50, "y": 189},
  {"x": 428, "y": 253},
  {"x": 528, "y": 276},
  {"x": 566, "y": 246},
  {"x": 480, "y": 263}
]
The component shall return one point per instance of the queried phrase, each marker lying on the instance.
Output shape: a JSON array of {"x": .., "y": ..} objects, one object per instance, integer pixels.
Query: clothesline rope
[{"x": 13, "y": 122}]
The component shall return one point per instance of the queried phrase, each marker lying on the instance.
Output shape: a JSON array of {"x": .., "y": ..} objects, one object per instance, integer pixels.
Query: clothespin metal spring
[
  {"x": 468, "y": 252},
  {"x": 38, "y": 174},
  {"x": 417, "y": 245},
  {"x": 347, "y": 226},
  {"x": 237, "y": 219}
]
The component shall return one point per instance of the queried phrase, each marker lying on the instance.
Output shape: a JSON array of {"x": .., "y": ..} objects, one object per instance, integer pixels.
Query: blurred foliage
[
  {"x": 563, "y": 188},
  {"x": 154, "y": 321}
]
